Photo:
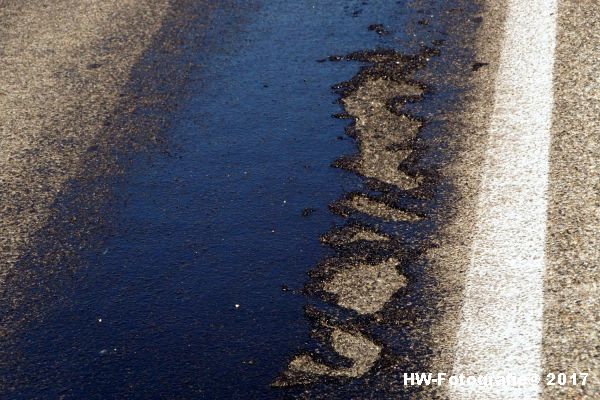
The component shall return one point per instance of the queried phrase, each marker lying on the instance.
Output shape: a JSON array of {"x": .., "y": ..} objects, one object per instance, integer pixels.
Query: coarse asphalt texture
[{"x": 88, "y": 85}]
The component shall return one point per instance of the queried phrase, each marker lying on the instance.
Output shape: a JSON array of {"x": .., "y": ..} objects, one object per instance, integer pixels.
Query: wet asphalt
[
  {"x": 266, "y": 199},
  {"x": 177, "y": 266}
]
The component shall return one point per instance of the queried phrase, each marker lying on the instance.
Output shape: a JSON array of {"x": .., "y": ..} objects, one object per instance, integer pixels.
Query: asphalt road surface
[{"x": 182, "y": 218}]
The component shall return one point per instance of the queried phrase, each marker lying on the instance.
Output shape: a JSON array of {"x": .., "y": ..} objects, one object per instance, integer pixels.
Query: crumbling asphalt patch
[
  {"x": 402, "y": 108},
  {"x": 398, "y": 104},
  {"x": 370, "y": 266}
]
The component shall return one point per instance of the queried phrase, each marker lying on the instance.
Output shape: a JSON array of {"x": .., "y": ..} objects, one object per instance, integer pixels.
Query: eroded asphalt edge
[{"x": 464, "y": 134}]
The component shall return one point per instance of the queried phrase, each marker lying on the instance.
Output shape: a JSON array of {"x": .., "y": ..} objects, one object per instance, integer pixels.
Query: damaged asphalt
[{"x": 181, "y": 216}]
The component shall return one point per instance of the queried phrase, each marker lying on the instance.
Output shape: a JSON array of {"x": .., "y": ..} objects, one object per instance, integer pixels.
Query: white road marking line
[{"x": 500, "y": 331}]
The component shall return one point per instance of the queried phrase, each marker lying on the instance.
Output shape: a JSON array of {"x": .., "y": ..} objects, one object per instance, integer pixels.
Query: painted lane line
[{"x": 500, "y": 330}]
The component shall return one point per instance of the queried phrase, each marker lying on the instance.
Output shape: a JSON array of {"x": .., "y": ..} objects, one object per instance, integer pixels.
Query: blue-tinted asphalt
[{"x": 217, "y": 222}]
